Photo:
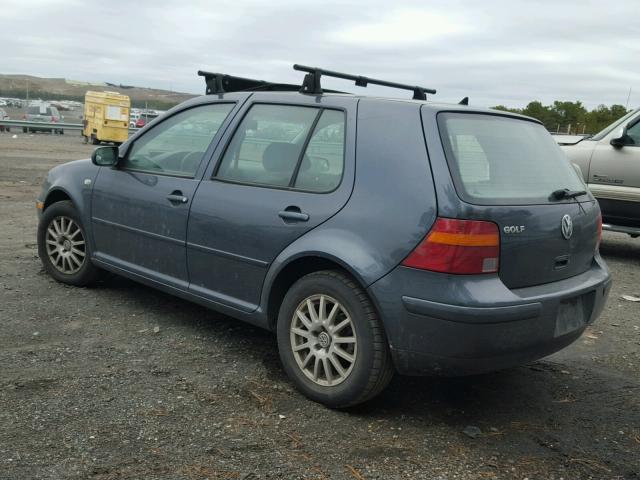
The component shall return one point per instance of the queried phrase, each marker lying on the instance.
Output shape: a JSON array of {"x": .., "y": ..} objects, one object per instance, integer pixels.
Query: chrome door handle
[{"x": 177, "y": 198}]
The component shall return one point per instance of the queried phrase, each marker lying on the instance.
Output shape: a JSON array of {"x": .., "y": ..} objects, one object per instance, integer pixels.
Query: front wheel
[
  {"x": 331, "y": 342},
  {"x": 63, "y": 247}
]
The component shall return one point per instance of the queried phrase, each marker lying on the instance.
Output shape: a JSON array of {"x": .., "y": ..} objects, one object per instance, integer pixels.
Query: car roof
[{"x": 435, "y": 107}]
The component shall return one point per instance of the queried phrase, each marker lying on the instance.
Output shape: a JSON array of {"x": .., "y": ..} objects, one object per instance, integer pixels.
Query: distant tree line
[{"x": 570, "y": 117}]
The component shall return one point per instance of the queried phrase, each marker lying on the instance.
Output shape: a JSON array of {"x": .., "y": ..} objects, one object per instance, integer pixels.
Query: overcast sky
[{"x": 495, "y": 51}]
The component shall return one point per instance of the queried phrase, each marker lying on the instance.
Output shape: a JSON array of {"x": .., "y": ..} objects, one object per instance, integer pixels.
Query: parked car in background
[
  {"x": 610, "y": 164},
  {"x": 4, "y": 116},
  {"x": 462, "y": 243},
  {"x": 44, "y": 114},
  {"x": 133, "y": 118},
  {"x": 145, "y": 118}
]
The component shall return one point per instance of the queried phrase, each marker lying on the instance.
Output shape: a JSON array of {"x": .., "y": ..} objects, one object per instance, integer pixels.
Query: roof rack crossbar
[
  {"x": 218, "y": 83},
  {"x": 311, "y": 83}
]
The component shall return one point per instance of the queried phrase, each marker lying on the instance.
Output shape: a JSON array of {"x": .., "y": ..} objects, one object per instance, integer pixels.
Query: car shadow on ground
[
  {"x": 529, "y": 392},
  {"x": 617, "y": 246}
]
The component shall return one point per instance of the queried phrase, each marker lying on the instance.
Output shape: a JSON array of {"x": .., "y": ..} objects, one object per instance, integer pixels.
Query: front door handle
[
  {"x": 293, "y": 214},
  {"x": 177, "y": 197}
]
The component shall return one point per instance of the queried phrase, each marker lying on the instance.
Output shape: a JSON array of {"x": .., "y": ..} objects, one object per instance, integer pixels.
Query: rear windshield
[
  {"x": 498, "y": 160},
  {"x": 42, "y": 110}
]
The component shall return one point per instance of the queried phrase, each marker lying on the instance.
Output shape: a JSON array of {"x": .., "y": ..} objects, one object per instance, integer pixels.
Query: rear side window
[
  {"x": 287, "y": 147},
  {"x": 498, "y": 160},
  {"x": 323, "y": 162}
]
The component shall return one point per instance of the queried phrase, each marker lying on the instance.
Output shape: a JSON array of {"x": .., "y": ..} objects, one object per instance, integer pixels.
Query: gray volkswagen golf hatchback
[{"x": 373, "y": 235}]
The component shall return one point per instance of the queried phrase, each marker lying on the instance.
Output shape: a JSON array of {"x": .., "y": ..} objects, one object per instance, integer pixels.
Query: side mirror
[
  {"x": 619, "y": 142},
  {"x": 105, "y": 156},
  {"x": 620, "y": 139}
]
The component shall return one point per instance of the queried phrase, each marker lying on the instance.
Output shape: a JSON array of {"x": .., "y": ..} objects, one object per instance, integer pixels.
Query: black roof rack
[
  {"x": 221, "y": 82},
  {"x": 311, "y": 83}
]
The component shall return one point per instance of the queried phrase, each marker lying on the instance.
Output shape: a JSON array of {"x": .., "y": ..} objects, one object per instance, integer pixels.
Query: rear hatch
[{"x": 511, "y": 172}]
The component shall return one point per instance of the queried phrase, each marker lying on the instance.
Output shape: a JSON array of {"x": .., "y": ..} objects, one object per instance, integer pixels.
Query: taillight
[{"x": 458, "y": 246}]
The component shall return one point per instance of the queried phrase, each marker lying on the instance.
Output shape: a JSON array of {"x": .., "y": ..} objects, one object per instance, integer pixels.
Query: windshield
[
  {"x": 498, "y": 160},
  {"x": 600, "y": 135}
]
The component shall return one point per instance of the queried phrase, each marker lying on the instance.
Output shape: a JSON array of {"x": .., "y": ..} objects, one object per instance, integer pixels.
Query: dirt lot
[{"x": 88, "y": 388}]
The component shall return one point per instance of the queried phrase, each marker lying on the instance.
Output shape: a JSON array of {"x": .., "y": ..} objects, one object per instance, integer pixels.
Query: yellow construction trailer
[{"x": 106, "y": 117}]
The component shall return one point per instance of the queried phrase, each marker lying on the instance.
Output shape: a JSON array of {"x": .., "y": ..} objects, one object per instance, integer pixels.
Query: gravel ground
[{"x": 122, "y": 382}]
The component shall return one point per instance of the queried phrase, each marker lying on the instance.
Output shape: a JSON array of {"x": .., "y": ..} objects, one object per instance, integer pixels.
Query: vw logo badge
[{"x": 567, "y": 227}]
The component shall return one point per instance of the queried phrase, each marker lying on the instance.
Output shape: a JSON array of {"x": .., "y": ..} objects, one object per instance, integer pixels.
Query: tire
[
  {"x": 61, "y": 132},
  {"x": 367, "y": 368},
  {"x": 25, "y": 130},
  {"x": 94, "y": 140},
  {"x": 58, "y": 260}
]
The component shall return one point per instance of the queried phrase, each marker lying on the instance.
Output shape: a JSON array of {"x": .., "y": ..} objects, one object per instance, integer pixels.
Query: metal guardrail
[{"x": 48, "y": 125}]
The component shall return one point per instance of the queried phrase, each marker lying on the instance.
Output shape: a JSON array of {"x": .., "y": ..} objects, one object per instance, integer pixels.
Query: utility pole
[{"x": 626, "y": 107}]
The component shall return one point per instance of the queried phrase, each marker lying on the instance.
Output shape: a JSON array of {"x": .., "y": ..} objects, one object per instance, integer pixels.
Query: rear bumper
[{"x": 459, "y": 325}]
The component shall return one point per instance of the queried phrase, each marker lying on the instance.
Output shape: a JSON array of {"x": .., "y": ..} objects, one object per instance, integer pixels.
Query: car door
[
  {"x": 140, "y": 208},
  {"x": 280, "y": 172},
  {"x": 614, "y": 176}
]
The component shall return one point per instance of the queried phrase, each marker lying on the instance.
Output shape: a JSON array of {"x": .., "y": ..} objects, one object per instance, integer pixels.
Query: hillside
[{"x": 65, "y": 89}]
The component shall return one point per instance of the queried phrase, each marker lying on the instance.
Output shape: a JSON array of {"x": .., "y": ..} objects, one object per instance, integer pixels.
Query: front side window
[
  {"x": 177, "y": 145},
  {"x": 288, "y": 147},
  {"x": 497, "y": 160}
]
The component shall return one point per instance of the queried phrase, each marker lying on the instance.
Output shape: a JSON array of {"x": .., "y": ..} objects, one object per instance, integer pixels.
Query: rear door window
[
  {"x": 498, "y": 160},
  {"x": 323, "y": 162},
  {"x": 287, "y": 146}
]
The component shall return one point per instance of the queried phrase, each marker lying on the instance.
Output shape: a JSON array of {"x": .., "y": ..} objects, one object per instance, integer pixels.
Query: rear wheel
[
  {"x": 63, "y": 247},
  {"x": 331, "y": 341},
  {"x": 94, "y": 140}
]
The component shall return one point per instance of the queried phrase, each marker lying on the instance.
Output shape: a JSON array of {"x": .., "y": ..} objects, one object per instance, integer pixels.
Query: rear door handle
[
  {"x": 177, "y": 197},
  {"x": 293, "y": 214}
]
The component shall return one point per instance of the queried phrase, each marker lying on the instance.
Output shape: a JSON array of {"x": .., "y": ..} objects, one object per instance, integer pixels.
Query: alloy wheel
[
  {"x": 65, "y": 243},
  {"x": 323, "y": 340}
]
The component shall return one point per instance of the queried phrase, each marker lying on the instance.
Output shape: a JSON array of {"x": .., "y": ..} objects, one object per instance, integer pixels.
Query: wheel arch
[
  {"x": 56, "y": 195},
  {"x": 292, "y": 271}
]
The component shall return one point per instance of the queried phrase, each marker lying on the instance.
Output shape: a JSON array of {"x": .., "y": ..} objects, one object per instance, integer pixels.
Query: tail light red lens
[{"x": 458, "y": 246}]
